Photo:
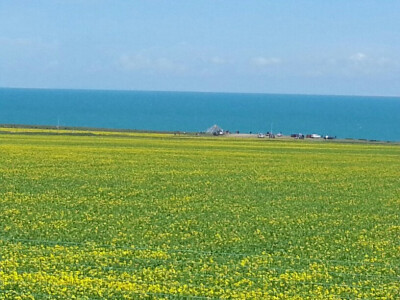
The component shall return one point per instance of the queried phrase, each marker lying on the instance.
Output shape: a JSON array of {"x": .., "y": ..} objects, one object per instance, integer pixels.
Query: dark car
[{"x": 328, "y": 137}]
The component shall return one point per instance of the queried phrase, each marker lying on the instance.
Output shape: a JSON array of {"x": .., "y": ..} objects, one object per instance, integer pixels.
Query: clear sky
[{"x": 312, "y": 47}]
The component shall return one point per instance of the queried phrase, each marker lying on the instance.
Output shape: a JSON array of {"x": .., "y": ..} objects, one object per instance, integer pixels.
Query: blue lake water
[{"x": 342, "y": 116}]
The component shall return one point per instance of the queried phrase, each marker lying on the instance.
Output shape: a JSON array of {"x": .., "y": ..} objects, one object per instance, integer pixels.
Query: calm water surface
[{"x": 342, "y": 116}]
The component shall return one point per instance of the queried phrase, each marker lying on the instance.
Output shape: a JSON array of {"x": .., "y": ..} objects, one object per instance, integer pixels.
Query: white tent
[{"x": 215, "y": 130}]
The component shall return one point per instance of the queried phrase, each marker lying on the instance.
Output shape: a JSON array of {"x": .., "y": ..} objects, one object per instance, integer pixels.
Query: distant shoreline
[{"x": 96, "y": 131}]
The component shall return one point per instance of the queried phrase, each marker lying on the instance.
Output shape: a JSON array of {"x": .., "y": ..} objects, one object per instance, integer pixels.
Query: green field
[{"x": 164, "y": 216}]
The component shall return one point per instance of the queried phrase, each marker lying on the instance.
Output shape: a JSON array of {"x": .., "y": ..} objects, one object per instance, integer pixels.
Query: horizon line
[{"x": 200, "y": 92}]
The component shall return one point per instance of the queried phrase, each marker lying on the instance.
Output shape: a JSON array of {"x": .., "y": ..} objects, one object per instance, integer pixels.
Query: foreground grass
[{"x": 158, "y": 216}]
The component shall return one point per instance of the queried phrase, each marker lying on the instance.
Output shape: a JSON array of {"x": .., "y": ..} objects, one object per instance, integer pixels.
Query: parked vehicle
[
  {"x": 328, "y": 137},
  {"x": 297, "y": 135}
]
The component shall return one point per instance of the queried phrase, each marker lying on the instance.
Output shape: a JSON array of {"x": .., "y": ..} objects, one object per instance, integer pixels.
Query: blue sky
[{"x": 309, "y": 47}]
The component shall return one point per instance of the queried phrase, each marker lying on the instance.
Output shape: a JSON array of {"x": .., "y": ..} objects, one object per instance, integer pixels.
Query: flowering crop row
[{"x": 157, "y": 216}]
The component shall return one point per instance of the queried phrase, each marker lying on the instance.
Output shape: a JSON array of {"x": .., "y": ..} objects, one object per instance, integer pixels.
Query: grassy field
[{"x": 164, "y": 216}]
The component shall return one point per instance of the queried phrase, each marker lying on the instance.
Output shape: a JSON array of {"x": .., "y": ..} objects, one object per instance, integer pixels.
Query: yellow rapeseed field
[{"x": 134, "y": 215}]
